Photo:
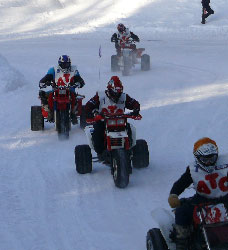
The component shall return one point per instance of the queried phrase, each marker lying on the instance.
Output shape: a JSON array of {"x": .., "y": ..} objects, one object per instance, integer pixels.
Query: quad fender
[
  {"x": 164, "y": 220},
  {"x": 88, "y": 131}
]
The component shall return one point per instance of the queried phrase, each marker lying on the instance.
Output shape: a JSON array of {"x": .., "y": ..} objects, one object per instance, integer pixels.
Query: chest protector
[
  {"x": 63, "y": 79},
  {"x": 211, "y": 185},
  {"x": 107, "y": 105},
  {"x": 123, "y": 37}
]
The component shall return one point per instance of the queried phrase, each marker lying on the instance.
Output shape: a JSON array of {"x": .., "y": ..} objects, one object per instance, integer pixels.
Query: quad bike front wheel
[
  {"x": 155, "y": 240},
  {"x": 145, "y": 62},
  {"x": 37, "y": 119},
  {"x": 127, "y": 66},
  {"x": 83, "y": 159},
  {"x": 121, "y": 166},
  {"x": 140, "y": 157},
  {"x": 63, "y": 123}
]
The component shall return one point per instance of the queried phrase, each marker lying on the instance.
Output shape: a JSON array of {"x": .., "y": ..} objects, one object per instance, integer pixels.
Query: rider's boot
[
  {"x": 182, "y": 236},
  {"x": 74, "y": 118},
  {"x": 50, "y": 115}
]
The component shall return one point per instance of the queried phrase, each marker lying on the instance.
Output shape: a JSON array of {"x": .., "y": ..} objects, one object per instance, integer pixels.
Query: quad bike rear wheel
[
  {"x": 121, "y": 166},
  {"x": 83, "y": 159},
  {"x": 145, "y": 62},
  {"x": 37, "y": 119},
  {"x": 140, "y": 157},
  {"x": 155, "y": 240},
  {"x": 114, "y": 63}
]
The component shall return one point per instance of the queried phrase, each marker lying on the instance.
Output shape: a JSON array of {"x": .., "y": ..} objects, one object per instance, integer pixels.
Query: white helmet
[{"x": 206, "y": 153}]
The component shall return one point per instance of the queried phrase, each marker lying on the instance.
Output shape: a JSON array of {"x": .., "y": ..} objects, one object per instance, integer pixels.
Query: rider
[
  {"x": 122, "y": 35},
  {"x": 112, "y": 96},
  {"x": 65, "y": 74},
  {"x": 209, "y": 175},
  {"x": 207, "y": 10}
]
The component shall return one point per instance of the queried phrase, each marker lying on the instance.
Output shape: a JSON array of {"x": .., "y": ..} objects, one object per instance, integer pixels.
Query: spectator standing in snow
[{"x": 207, "y": 10}]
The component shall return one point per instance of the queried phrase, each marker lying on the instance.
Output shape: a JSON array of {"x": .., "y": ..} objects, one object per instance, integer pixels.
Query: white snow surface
[{"x": 44, "y": 203}]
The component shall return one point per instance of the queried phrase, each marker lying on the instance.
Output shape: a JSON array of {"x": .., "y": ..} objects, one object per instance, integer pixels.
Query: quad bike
[
  {"x": 61, "y": 100},
  {"x": 122, "y": 148},
  {"x": 208, "y": 231},
  {"x": 129, "y": 56}
]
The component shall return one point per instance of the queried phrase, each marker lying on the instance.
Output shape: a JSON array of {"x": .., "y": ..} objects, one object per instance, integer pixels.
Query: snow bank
[{"x": 10, "y": 78}]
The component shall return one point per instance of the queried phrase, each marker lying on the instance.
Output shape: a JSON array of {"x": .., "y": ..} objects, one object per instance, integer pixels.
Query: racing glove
[
  {"x": 42, "y": 85},
  {"x": 173, "y": 201},
  {"x": 135, "y": 112}
]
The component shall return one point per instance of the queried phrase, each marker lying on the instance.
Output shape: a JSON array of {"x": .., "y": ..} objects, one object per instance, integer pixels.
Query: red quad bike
[
  {"x": 129, "y": 56},
  {"x": 62, "y": 101},
  {"x": 208, "y": 232},
  {"x": 122, "y": 148}
]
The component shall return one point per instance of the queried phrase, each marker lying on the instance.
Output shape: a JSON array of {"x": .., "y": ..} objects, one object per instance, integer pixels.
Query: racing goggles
[
  {"x": 208, "y": 160},
  {"x": 65, "y": 65}
]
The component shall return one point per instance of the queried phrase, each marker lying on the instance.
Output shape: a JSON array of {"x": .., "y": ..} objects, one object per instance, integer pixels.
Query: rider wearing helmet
[
  {"x": 66, "y": 74},
  {"x": 209, "y": 175},
  {"x": 100, "y": 103},
  {"x": 123, "y": 32}
]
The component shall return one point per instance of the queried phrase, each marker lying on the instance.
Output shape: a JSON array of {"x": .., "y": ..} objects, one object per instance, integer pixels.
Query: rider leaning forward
[{"x": 209, "y": 175}]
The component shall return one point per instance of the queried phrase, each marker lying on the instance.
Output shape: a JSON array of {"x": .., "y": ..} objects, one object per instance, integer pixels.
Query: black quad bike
[{"x": 122, "y": 149}]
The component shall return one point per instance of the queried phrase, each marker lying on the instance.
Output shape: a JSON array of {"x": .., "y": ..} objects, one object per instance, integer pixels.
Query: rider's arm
[
  {"x": 48, "y": 78},
  {"x": 78, "y": 81},
  {"x": 92, "y": 104},
  {"x": 181, "y": 184},
  {"x": 134, "y": 37},
  {"x": 132, "y": 104}
]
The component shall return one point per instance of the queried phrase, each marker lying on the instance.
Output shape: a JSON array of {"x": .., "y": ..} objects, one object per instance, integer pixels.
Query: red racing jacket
[{"x": 94, "y": 104}]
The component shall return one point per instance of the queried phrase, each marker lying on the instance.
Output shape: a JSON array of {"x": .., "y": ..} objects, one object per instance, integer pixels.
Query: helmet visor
[
  {"x": 64, "y": 65},
  {"x": 208, "y": 160},
  {"x": 114, "y": 95}
]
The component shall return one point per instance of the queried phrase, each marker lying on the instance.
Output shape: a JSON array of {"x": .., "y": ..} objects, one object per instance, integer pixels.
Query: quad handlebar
[{"x": 100, "y": 116}]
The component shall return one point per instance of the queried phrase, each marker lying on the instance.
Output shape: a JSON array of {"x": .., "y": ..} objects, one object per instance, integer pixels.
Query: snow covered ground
[{"x": 44, "y": 203}]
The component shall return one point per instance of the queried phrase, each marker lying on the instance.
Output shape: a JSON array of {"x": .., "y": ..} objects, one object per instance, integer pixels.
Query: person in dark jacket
[
  {"x": 121, "y": 36},
  {"x": 100, "y": 103},
  {"x": 63, "y": 74},
  {"x": 207, "y": 10},
  {"x": 209, "y": 175}
]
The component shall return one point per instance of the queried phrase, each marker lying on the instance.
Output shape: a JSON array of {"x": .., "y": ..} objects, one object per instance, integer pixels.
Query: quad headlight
[
  {"x": 111, "y": 122},
  {"x": 62, "y": 91},
  {"x": 120, "y": 122}
]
